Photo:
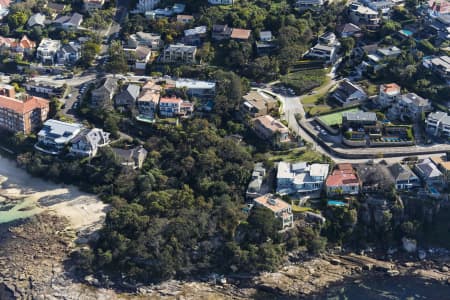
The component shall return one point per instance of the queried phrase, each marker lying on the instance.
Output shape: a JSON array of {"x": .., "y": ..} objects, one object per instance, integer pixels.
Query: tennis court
[{"x": 335, "y": 118}]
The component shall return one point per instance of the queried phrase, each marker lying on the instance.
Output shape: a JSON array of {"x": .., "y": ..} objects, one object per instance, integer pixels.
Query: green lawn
[
  {"x": 297, "y": 155},
  {"x": 335, "y": 118}
]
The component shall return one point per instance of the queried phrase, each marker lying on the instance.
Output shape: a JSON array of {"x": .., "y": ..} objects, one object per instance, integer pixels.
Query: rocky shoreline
[{"x": 34, "y": 265}]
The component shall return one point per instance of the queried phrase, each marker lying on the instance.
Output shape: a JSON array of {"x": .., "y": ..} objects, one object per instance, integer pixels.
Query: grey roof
[
  {"x": 401, "y": 172},
  {"x": 110, "y": 84},
  {"x": 127, "y": 155},
  {"x": 428, "y": 169},
  {"x": 350, "y": 28},
  {"x": 375, "y": 175},
  {"x": 415, "y": 99},
  {"x": 359, "y": 116},
  {"x": 133, "y": 90},
  {"x": 36, "y": 19},
  {"x": 70, "y": 48}
]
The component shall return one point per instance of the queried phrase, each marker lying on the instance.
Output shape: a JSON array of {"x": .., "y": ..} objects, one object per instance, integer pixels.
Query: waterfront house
[
  {"x": 342, "y": 181},
  {"x": 281, "y": 209},
  {"x": 55, "y": 135},
  {"x": 131, "y": 158},
  {"x": 255, "y": 185},
  {"x": 88, "y": 142},
  {"x": 301, "y": 178}
]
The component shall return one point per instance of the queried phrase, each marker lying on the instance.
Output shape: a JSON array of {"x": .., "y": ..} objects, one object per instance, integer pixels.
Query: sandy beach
[{"x": 32, "y": 195}]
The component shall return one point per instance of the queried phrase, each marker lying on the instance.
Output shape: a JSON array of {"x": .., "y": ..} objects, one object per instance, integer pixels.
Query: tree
[
  {"x": 117, "y": 61},
  {"x": 89, "y": 50},
  {"x": 17, "y": 19},
  {"x": 347, "y": 45}
]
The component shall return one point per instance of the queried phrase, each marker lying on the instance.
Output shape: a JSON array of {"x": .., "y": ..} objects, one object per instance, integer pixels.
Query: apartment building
[
  {"x": 179, "y": 53},
  {"x": 21, "y": 115},
  {"x": 438, "y": 124}
]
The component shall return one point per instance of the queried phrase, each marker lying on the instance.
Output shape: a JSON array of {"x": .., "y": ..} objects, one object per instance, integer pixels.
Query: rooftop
[
  {"x": 240, "y": 34},
  {"x": 274, "y": 204},
  {"x": 360, "y": 115},
  {"x": 22, "y": 107},
  {"x": 194, "y": 84},
  {"x": 390, "y": 88},
  {"x": 271, "y": 124}
]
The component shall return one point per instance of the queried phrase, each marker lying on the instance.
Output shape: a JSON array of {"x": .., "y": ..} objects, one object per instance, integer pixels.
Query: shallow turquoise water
[{"x": 21, "y": 210}]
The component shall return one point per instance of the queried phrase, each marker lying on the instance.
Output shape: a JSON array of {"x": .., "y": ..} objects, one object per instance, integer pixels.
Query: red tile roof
[
  {"x": 342, "y": 175},
  {"x": 241, "y": 34},
  {"x": 389, "y": 88},
  {"x": 5, "y": 3},
  {"x": 26, "y": 43},
  {"x": 22, "y": 107},
  {"x": 170, "y": 100}
]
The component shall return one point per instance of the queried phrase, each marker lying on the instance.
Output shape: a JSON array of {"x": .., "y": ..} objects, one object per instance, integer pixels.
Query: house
[
  {"x": 221, "y": 32},
  {"x": 409, "y": 106},
  {"x": 36, "y": 20},
  {"x": 197, "y": 88},
  {"x": 131, "y": 158},
  {"x": 326, "y": 48},
  {"x": 68, "y": 53},
  {"x": 444, "y": 167},
  {"x": 148, "y": 100},
  {"x": 138, "y": 57},
  {"x": 267, "y": 128},
  {"x": 56, "y": 8},
  {"x": 185, "y": 19},
  {"x": 220, "y": 2},
  {"x": 91, "y": 5},
  {"x": 438, "y": 124},
  {"x": 301, "y": 178},
  {"x": 88, "y": 141},
  {"x": 375, "y": 178},
  {"x": 255, "y": 185},
  {"x": 25, "y": 46},
  {"x": 429, "y": 172},
  {"x": 362, "y": 15},
  {"x": 21, "y": 115},
  {"x": 349, "y": 93},
  {"x": 179, "y": 53},
  {"x": 403, "y": 176},
  {"x": 195, "y": 35},
  {"x": 240, "y": 34},
  {"x": 343, "y": 181},
  {"x": 146, "y": 5},
  {"x": 282, "y": 210},
  {"x": 440, "y": 65},
  {"x": 102, "y": 96},
  {"x": 349, "y": 30},
  {"x": 69, "y": 22},
  {"x": 46, "y": 52},
  {"x": 265, "y": 36},
  {"x": 309, "y": 4},
  {"x": 388, "y": 94},
  {"x": 151, "y": 40},
  {"x": 437, "y": 8},
  {"x": 147, "y": 104},
  {"x": 375, "y": 60},
  {"x": 355, "y": 120},
  {"x": 127, "y": 98},
  {"x": 45, "y": 89},
  {"x": 55, "y": 135},
  {"x": 21, "y": 47},
  {"x": 174, "y": 106},
  {"x": 258, "y": 103}
]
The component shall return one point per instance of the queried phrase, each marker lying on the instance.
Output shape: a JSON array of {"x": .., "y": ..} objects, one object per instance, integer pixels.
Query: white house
[
  {"x": 388, "y": 94},
  {"x": 55, "y": 135},
  {"x": 438, "y": 124},
  {"x": 220, "y": 2},
  {"x": 46, "y": 52},
  {"x": 301, "y": 178},
  {"x": 88, "y": 142}
]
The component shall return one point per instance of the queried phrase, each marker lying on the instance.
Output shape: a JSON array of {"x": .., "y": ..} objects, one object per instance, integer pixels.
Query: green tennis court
[{"x": 335, "y": 118}]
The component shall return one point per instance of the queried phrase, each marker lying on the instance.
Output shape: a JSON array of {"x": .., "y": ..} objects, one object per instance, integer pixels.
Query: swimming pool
[
  {"x": 336, "y": 203},
  {"x": 406, "y": 32}
]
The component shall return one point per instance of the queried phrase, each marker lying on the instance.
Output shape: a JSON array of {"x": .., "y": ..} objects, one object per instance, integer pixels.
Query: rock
[
  {"x": 392, "y": 273},
  {"x": 335, "y": 261},
  {"x": 422, "y": 255},
  {"x": 409, "y": 245},
  {"x": 444, "y": 269}
]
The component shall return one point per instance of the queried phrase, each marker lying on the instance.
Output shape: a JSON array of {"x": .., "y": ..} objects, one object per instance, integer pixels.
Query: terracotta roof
[
  {"x": 149, "y": 96},
  {"x": 339, "y": 178},
  {"x": 22, "y": 107},
  {"x": 390, "y": 88},
  {"x": 4, "y": 41},
  {"x": 26, "y": 43},
  {"x": 275, "y": 205},
  {"x": 241, "y": 34},
  {"x": 170, "y": 100},
  {"x": 151, "y": 85},
  {"x": 441, "y": 6},
  {"x": 5, "y": 3}
]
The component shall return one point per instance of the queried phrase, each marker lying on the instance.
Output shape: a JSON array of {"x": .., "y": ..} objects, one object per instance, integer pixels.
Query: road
[{"x": 291, "y": 106}]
